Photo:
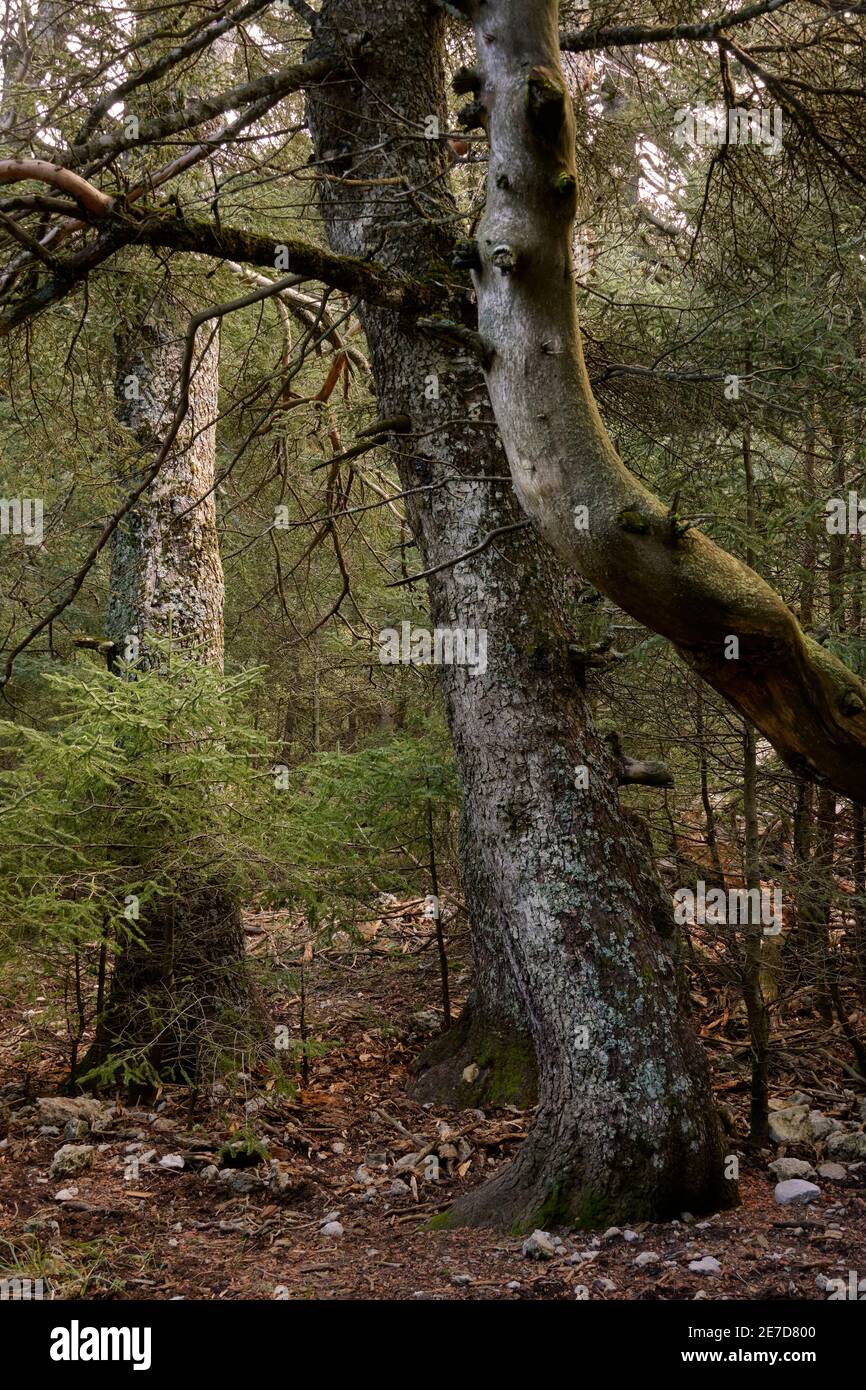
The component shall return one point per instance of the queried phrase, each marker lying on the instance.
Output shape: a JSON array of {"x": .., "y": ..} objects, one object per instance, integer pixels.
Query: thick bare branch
[
  {"x": 169, "y": 230},
  {"x": 91, "y": 199},
  {"x": 723, "y": 618}
]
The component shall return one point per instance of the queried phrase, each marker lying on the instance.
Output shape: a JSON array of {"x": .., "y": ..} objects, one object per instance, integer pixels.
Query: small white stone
[
  {"x": 539, "y": 1246},
  {"x": 646, "y": 1258}
]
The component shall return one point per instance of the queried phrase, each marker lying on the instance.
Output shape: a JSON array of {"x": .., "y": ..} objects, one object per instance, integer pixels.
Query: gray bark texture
[
  {"x": 565, "y": 908},
  {"x": 166, "y": 570}
]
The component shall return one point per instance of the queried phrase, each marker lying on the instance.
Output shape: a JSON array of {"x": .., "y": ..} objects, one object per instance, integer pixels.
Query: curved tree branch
[
  {"x": 723, "y": 618},
  {"x": 91, "y": 199}
]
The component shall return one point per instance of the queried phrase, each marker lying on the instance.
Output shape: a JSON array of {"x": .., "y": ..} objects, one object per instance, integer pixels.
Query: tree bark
[
  {"x": 564, "y": 907},
  {"x": 166, "y": 571}
]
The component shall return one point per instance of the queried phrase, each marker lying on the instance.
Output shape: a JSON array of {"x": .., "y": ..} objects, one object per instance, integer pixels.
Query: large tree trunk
[{"x": 565, "y": 910}]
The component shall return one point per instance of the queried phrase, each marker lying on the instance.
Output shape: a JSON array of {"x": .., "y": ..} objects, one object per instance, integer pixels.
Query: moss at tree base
[{"x": 507, "y": 1073}]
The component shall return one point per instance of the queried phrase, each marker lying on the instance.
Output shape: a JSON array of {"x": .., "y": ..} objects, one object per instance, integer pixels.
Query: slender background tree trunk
[{"x": 181, "y": 991}]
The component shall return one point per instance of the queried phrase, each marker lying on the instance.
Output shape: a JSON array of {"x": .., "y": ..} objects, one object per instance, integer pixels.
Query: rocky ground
[{"x": 327, "y": 1191}]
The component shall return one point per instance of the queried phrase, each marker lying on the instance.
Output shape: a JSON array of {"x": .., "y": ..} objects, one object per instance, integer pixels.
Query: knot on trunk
[
  {"x": 545, "y": 103},
  {"x": 504, "y": 258}
]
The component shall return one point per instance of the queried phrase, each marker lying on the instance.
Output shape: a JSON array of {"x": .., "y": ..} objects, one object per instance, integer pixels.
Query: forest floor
[{"x": 132, "y": 1226}]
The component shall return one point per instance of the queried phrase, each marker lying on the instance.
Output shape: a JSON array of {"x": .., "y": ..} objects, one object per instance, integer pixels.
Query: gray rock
[
  {"x": 785, "y": 1168},
  {"x": 71, "y": 1160},
  {"x": 42, "y": 1226},
  {"x": 210, "y": 1173},
  {"x": 331, "y": 1228},
  {"x": 646, "y": 1258},
  {"x": 75, "y": 1129},
  {"x": 849, "y": 1145},
  {"x": 171, "y": 1161},
  {"x": 241, "y": 1180},
  {"x": 426, "y": 1021},
  {"x": 795, "y": 1190},
  {"x": 279, "y": 1178},
  {"x": 58, "y": 1110},
  {"x": 539, "y": 1246},
  {"x": 66, "y": 1194},
  {"x": 833, "y": 1172},
  {"x": 461, "y": 1280},
  {"x": 603, "y": 1285},
  {"x": 790, "y": 1126},
  {"x": 612, "y": 1233},
  {"x": 583, "y": 1257},
  {"x": 820, "y": 1125},
  {"x": 708, "y": 1265},
  {"x": 399, "y": 1188}
]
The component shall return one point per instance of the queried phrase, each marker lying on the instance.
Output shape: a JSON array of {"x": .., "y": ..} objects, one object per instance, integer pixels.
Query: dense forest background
[{"x": 263, "y": 887}]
